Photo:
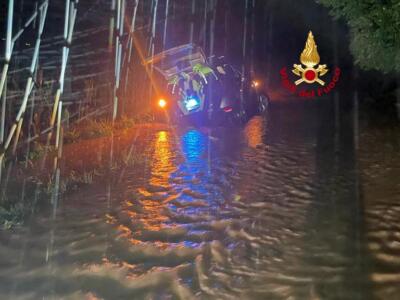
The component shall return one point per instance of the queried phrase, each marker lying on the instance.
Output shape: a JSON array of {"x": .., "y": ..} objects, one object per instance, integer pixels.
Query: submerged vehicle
[{"x": 198, "y": 90}]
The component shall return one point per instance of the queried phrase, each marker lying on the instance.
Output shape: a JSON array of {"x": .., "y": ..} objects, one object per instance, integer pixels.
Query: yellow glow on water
[
  {"x": 144, "y": 192},
  {"x": 162, "y": 166},
  {"x": 161, "y": 159},
  {"x": 255, "y": 132},
  {"x": 153, "y": 197},
  {"x": 162, "y": 137}
]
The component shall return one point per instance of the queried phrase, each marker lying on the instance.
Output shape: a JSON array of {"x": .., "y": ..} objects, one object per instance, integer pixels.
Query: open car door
[{"x": 174, "y": 61}]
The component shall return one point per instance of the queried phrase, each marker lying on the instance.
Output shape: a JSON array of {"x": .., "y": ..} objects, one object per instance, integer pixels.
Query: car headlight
[{"x": 162, "y": 103}]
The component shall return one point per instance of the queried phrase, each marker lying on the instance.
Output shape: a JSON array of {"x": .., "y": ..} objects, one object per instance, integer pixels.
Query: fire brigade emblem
[{"x": 312, "y": 70}]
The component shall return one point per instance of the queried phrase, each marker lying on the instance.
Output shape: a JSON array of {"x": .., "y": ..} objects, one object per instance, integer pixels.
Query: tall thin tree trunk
[
  {"x": 269, "y": 48},
  {"x": 152, "y": 44},
  {"x": 212, "y": 29},
  {"x": 112, "y": 25},
  {"x": 205, "y": 27},
  {"x": 226, "y": 24},
  {"x": 253, "y": 33},
  {"x": 192, "y": 19},
  {"x": 166, "y": 24},
  {"x": 244, "y": 52}
]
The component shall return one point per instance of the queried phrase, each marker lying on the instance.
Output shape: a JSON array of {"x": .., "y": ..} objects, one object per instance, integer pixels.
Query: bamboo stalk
[
  {"x": 205, "y": 17},
  {"x": 69, "y": 23},
  {"x": 60, "y": 147},
  {"x": 132, "y": 29},
  {"x": 55, "y": 105},
  {"x": 10, "y": 17},
  {"x": 212, "y": 28},
  {"x": 59, "y": 114},
  {"x": 244, "y": 42},
  {"x": 244, "y": 52},
  {"x": 18, "y": 132},
  {"x": 9, "y": 137},
  {"x": 7, "y": 56},
  {"x": 269, "y": 48},
  {"x": 31, "y": 121},
  {"x": 152, "y": 43},
  {"x": 111, "y": 27},
  {"x": 226, "y": 20},
  {"x": 166, "y": 22},
  {"x": 16, "y": 128},
  {"x": 252, "y": 39},
  {"x": 54, "y": 198},
  {"x": 118, "y": 55},
  {"x": 27, "y": 24},
  {"x": 3, "y": 77},
  {"x": 3, "y": 114},
  {"x": 130, "y": 43},
  {"x": 66, "y": 18}
]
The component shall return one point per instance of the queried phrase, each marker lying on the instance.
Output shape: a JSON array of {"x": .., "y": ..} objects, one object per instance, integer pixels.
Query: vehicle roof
[{"x": 178, "y": 59}]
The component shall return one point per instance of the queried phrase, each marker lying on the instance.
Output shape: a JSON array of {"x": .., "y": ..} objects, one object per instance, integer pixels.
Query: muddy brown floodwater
[{"x": 289, "y": 207}]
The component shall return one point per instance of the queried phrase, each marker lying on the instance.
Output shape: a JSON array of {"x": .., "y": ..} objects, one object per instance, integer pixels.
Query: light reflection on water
[
  {"x": 162, "y": 164},
  {"x": 194, "y": 146},
  {"x": 255, "y": 132},
  {"x": 258, "y": 213}
]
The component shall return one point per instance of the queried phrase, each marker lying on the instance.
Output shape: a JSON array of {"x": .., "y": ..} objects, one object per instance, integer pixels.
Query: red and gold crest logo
[
  {"x": 310, "y": 59},
  {"x": 310, "y": 71}
]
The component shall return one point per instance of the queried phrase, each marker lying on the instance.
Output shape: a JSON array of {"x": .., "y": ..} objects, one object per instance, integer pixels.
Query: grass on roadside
[
  {"x": 91, "y": 128},
  {"x": 11, "y": 216},
  {"x": 39, "y": 149}
]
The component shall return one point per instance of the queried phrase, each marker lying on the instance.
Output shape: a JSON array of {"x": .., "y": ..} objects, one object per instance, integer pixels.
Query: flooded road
[{"x": 291, "y": 206}]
